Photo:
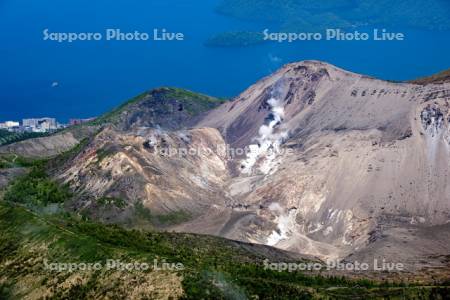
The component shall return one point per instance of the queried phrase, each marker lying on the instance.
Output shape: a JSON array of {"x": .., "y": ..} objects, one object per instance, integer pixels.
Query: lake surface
[{"x": 93, "y": 77}]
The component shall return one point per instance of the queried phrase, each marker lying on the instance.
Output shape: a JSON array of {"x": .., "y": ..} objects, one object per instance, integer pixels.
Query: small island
[{"x": 235, "y": 39}]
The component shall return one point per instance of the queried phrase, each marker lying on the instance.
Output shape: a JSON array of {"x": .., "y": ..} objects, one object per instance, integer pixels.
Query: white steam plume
[{"x": 268, "y": 142}]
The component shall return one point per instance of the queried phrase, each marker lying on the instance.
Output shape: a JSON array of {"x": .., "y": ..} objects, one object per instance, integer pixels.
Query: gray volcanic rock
[
  {"x": 179, "y": 174},
  {"x": 359, "y": 149},
  {"x": 340, "y": 165}
]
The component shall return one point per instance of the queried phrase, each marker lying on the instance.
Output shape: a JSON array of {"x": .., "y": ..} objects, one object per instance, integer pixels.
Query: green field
[
  {"x": 7, "y": 137},
  {"x": 36, "y": 230}
]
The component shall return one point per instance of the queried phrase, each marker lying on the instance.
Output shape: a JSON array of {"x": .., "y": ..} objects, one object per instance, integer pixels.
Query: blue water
[{"x": 93, "y": 77}]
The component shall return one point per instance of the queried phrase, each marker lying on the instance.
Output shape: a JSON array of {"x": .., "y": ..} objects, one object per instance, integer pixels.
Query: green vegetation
[
  {"x": 7, "y": 137},
  {"x": 193, "y": 103},
  {"x": 235, "y": 39},
  {"x": 16, "y": 161},
  {"x": 310, "y": 15},
  {"x": 113, "y": 114},
  {"x": 176, "y": 217},
  {"x": 317, "y": 16},
  {"x": 61, "y": 159},
  {"x": 103, "y": 153},
  {"x": 143, "y": 212},
  {"x": 112, "y": 201},
  {"x": 163, "y": 101},
  {"x": 36, "y": 188},
  {"x": 214, "y": 268}
]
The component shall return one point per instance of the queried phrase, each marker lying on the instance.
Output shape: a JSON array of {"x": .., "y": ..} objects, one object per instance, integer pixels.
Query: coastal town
[{"x": 39, "y": 125}]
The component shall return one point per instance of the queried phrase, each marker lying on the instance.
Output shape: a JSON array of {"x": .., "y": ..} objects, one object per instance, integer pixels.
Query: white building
[
  {"x": 9, "y": 125},
  {"x": 41, "y": 124}
]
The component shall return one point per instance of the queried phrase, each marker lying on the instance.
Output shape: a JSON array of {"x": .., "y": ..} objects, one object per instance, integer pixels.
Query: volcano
[{"x": 312, "y": 159}]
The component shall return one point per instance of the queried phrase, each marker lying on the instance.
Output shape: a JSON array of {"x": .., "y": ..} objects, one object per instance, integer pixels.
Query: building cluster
[
  {"x": 39, "y": 124},
  {"x": 9, "y": 125},
  {"x": 32, "y": 125}
]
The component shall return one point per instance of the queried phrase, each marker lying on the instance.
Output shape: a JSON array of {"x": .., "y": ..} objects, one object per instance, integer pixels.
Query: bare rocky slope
[
  {"x": 441, "y": 77},
  {"x": 43, "y": 146},
  {"x": 340, "y": 165},
  {"x": 49, "y": 146}
]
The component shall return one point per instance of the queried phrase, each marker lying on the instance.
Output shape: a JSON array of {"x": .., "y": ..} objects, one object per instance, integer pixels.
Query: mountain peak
[
  {"x": 336, "y": 160},
  {"x": 317, "y": 66},
  {"x": 166, "y": 107}
]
